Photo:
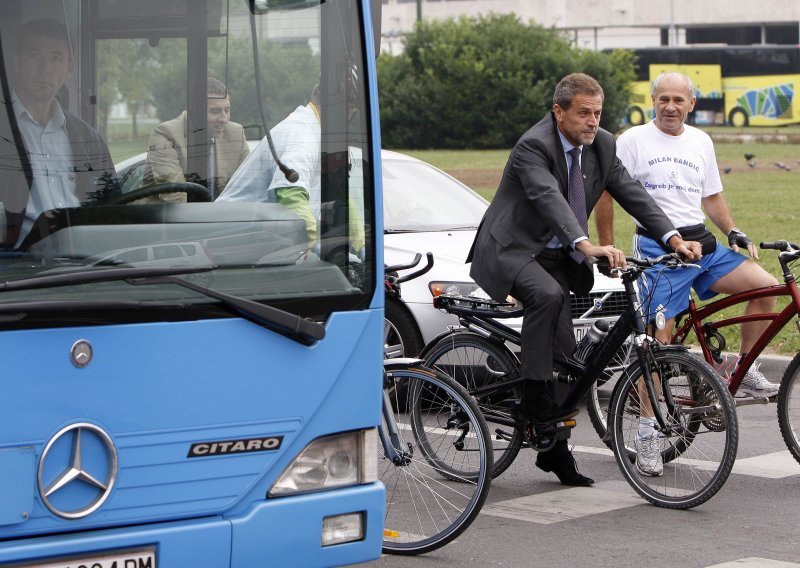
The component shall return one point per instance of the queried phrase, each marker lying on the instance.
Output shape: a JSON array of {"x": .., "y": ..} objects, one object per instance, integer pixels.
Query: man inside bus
[
  {"x": 297, "y": 141},
  {"x": 676, "y": 164},
  {"x": 68, "y": 163},
  {"x": 167, "y": 159}
]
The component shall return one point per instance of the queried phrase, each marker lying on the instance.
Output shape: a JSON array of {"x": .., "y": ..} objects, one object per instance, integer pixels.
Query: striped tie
[{"x": 577, "y": 198}]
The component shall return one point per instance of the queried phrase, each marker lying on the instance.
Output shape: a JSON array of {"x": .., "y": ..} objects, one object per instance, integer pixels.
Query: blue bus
[{"x": 190, "y": 309}]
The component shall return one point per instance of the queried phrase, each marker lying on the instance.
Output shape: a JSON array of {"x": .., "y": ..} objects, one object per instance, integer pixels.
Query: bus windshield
[{"x": 210, "y": 141}]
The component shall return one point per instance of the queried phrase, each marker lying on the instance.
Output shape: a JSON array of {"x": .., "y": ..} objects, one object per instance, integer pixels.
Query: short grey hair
[
  {"x": 574, "y": 84},
  {"x": 672, "y": 74},
  {"x": 216, "y": 88}
]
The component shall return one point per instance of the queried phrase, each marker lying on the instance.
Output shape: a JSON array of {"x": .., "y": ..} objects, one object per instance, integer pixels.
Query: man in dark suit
[{"x": 532, "y": 245}]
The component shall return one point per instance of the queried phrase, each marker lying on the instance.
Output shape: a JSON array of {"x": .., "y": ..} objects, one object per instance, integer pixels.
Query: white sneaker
[
  {"x": 756, "y": 384},
  {"x": 648, "y": 455}
]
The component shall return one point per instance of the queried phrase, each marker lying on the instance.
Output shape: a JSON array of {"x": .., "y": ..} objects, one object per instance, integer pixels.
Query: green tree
[{"x": 478, "y": 82}]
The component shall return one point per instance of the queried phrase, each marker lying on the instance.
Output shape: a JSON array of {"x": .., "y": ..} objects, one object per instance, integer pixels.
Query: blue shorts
[{"x": 667, "y": 291}]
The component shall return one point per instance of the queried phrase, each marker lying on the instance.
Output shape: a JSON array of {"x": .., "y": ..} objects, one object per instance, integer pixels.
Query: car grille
[{"x": 611, "y": 304}]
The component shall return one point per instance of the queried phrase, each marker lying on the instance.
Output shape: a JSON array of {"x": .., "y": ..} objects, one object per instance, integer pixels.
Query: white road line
[
  {"x": 755, "y": 563},
  {"x": 566, "y": 504},
  {"x": 773, "y": 466},
  {"x": 776, "y": 465}
]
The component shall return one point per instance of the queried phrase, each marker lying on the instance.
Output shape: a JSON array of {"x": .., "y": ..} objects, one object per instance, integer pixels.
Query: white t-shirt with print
[{"x": 677, "y": 171}]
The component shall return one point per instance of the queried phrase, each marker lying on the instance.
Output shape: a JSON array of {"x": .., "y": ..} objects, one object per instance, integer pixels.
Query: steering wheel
[{"x": 194, "y": 192}]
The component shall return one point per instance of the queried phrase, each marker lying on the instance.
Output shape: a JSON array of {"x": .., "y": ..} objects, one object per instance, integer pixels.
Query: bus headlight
[{"x": 330, "y": 462}]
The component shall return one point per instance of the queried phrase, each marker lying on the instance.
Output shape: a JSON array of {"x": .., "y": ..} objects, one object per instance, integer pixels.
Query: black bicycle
[
  {"x": 696, "y": 426},
  {"x": 434, "y": 451}
]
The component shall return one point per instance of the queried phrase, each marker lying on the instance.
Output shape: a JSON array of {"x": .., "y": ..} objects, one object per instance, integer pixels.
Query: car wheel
[{"x": 401, "y": 338}]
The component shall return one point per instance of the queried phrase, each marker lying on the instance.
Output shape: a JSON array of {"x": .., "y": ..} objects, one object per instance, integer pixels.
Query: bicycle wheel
[
  {"x": 698, "y": 446},
  {"x": 441, "y": 477},
  {"x": 474, "y": 362},
  {"x": 789, "y": 407},
  {"x": 599, "y": 396}
]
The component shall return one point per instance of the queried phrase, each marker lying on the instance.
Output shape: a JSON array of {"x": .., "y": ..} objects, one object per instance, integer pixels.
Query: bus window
[{"x": 188, "y": 282}]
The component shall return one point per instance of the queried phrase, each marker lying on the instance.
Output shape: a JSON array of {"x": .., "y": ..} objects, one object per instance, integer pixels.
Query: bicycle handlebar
[
  {"x": 670, "y": 260},
  {"x": 783, "y": 246},
  {"x": 412, "y": 264}
]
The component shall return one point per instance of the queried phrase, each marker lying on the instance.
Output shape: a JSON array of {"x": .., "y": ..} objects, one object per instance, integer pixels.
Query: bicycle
[
  {"x": 434, "y": 454},
  {"x": 712, "y": 344},
  {"x": 695, "y": 415}
]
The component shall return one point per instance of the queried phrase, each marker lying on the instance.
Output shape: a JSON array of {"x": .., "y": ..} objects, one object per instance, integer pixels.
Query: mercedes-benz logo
[
  {"x": 77, "y": 470},
  {"x": 81, "y": 353}
]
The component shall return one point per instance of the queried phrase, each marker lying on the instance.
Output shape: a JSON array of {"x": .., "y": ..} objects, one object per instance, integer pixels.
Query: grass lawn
[{"x": 762, "y": 197}]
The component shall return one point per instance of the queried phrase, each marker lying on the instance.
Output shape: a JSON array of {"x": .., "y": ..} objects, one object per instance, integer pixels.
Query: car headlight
[
  {"x": 330, "y": 462},
  {"x": 450, "y": 288}
]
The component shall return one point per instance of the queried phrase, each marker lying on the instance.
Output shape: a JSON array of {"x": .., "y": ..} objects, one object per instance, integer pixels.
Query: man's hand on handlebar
[
  {"x": 688, "y": 250},
  {"x": 614, "y": 256}
]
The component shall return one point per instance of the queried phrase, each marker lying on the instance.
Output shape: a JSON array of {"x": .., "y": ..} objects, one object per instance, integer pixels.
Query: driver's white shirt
[
  {"x": 677, "y": 171},
  {"x": 52, "y": 164}
]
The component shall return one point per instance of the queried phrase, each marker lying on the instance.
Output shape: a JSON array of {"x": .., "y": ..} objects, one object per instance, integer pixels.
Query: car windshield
[
  {"x": 136, "y": 137},
  {"x": 419, "y": 197}
]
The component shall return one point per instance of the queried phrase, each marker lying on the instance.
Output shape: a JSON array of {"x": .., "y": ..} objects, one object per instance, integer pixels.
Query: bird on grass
[{"x": 749, "y": 157}]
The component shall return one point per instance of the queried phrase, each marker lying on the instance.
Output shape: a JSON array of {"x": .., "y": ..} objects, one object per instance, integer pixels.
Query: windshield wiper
[
  {"x": 73, "y": 276},
  {"x": 280, "y": 321},
  {"x": 290, "y": 325}
]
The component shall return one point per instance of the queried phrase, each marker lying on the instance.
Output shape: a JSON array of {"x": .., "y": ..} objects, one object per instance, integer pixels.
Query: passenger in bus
[
  {"x": 297, "y": 141},
  {"x": 61, "y": 161},
  {"x": 167, "y": 152},
  {"x": 676, "y": 164}
]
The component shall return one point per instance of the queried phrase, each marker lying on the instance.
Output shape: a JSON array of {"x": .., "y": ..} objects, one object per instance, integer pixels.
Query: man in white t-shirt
[{"x": 676, "y": 164}]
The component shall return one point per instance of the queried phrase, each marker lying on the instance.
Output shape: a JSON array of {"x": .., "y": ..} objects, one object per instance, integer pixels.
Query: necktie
[
  {"x": 576, "y": 196},
  {"x": 212, "y": 168}
]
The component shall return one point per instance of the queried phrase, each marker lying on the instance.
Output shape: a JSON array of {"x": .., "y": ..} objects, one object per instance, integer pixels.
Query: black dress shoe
[{"x": 563, "y": 465}]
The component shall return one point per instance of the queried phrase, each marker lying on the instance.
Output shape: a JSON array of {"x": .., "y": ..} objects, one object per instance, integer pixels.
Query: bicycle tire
[
  {"x": 474, "y": 361},
  {"x": 428, "y": 502},
  {"x": 789, "y": 407},
  {"x": 599, "y": 396},
  {"x": 700, "y": 449}
]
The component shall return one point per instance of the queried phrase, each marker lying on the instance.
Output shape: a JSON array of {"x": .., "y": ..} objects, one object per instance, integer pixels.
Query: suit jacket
[
  {"x": 95, "y": 176},
  {"x": 531, "y": 207},
  {"x": 167, "y": 155}
]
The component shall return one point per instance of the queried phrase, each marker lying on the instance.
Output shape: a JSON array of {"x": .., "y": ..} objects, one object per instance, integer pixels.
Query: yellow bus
[{"x": 734, "y": 85}]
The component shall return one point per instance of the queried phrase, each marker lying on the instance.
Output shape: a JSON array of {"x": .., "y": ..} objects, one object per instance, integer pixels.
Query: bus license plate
[
  {"x": 145, "y": 558},
  {"x": 580, "y": 330}
]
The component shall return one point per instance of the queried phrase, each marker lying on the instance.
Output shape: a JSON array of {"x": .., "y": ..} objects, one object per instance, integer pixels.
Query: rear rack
[{"x": 478, "y": 307}]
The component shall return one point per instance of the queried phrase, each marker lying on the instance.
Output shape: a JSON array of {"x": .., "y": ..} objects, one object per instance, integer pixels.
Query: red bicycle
[{"x": 712, "y": 344}]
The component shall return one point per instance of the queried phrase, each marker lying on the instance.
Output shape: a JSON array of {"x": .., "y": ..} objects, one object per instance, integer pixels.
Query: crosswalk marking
[
  {"x": 566, "y": 504},
  {"x": 755, "y": 562},
  {"x": 773, "y": 466},
  {"x": 776, "y": 465}
]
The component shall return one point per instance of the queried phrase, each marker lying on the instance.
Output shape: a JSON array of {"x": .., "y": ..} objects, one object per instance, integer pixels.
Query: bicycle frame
[{"x": 696, "y": 320}]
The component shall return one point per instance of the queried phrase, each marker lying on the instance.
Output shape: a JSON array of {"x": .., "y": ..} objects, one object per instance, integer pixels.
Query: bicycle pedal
[{"x": 567, "y": 420}]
